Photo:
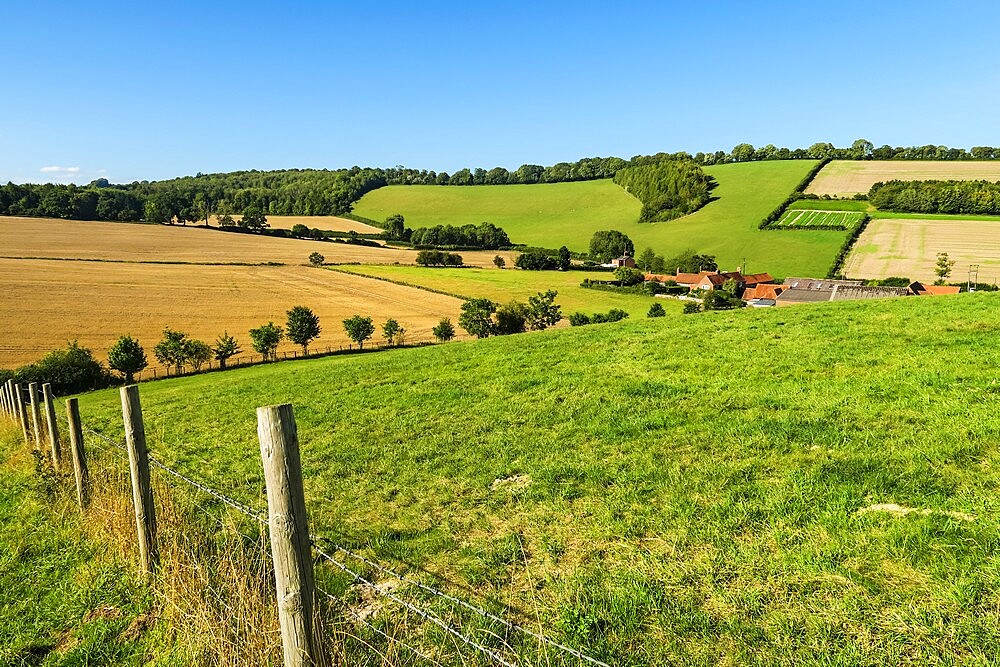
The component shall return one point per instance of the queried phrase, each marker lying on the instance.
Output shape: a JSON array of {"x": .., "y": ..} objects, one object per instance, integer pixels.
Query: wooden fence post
[
  {"x": 22, "y": 411},
  {"x": 142, "y": 491},
  {"x": 79, "y": 454},
  {"x": 289, "y": 528},
  {"x": 3, "y": 400},
  {"x": 51, "y": 423},
  {"x": 36, "y": 414}
]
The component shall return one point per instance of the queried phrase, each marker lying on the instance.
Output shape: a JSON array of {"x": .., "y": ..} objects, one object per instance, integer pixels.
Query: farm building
[
  {"x": 814, "y": 290},
  {"x": 921, "y": 289},
  {"x": 762, "y": 295},
  {"x": 624, "y": 260},
  {"x": 711, "y": 280}
]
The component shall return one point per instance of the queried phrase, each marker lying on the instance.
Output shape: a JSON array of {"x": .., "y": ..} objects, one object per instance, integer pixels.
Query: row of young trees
[
  {"x": 965, "y": 197},
  {"x": 483, "y": 317},
  {"x": 667, "y": 189}
]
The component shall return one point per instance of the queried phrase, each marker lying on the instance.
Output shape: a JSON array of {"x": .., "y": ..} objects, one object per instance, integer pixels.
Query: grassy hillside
[
  {"x": 569, "y": 213},
  {"x": 509, "y": 284},
  {"x": 700, "y": 490}
]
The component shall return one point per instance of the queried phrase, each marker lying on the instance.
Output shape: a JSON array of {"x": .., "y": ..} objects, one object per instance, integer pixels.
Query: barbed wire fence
[{"x": 509, "y": 649}]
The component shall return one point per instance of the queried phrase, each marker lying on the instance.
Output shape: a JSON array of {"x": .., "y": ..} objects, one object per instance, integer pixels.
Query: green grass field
[
  {"x": 830, "y": 205},
  {"x": 697, "y": 490},
  {"x": 552, "y": 215},
  {"x": 510, "y": 284},
  {"x": 805, "y": 218}
]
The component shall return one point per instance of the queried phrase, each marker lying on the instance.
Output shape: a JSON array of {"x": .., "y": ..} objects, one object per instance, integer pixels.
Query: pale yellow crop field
[
  {"x": 42, "y": 237},
  {"x": 909, "y": 247},
  {"x": 846, "y": 178},
  {"x": 45, "y": 303},
  {"x": 331, "y": 223}
]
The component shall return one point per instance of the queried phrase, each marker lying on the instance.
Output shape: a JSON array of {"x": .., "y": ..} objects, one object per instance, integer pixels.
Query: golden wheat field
[
  {"x": 909, "y": 248},
  {"x": 45, "y": 303},
  {"x": 71, "y": 239},
  {"x": 846, "y": 178}
]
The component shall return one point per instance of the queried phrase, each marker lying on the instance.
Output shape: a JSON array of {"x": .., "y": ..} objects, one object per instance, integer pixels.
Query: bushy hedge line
[
  {"x": 580, "y": 319},
  {"x": 838, "y": 264},
  {"x": 952, "y": 197},
  {"x": 69, "y": 371},
  {"x": 438, "y": 258}
]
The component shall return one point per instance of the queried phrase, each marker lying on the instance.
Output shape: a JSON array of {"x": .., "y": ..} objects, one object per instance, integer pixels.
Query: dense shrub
[
  {"x": 69, "y": 371},
  {"x": 486, "y": 236},
  {"x": 954, "y": 197},
  {"x": 536, "y": 261},
  {"x": 438, "y": 258},
  {"x": 613, "y": 315},
  {"x": 667, "y": 189}
]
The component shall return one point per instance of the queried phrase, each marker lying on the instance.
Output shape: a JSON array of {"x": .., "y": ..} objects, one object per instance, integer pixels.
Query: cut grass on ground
[
  {"x": 698, "y": 490},
  {"x": 510, "y": 284},
  {"x": 800, "y": 218},
  {"x": 556, "y": 214}
]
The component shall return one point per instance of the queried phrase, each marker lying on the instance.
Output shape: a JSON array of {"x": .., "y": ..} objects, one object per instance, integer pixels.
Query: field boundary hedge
[
  {"x": 837, "y": 268},
  {"x": 776, "y": 214}
]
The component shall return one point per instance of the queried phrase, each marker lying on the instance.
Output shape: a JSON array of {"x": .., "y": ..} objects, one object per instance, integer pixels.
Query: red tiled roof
[
  {"x": 763, "y": 291},
  {"x": 934, "y": 290},
  {"x": 757, "y": 278}
]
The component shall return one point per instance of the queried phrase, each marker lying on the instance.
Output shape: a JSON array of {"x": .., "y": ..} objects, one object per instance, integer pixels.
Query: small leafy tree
[
  {"x": 127, "y": 357},
  {"x": 645, "y": 259},
  {"x": 943, "y": 268},
  {"x": 477, "y": 317},
  {"x": 393, "y": 332},
  {"x": 225, "y": 347},
  {"x": 395, "y": 227},
  {"x": 608, "y": 244},
  {"x": 359, "y": 329},
  {"x": 265, "y": 340},
  {"x": 316, "y": 259},
  {"x": 253, "y": 219},
  {"x": 691, "y": 307},
  {"x": 444, "y": 331},
  {"x": 224, "y": 215},
  {"x": 302, "y": 327},
  {"x": 171, "y": 351},
  {"x": 499, "y": 261},
  {"x": 627, "y": 276},
  {"x": 565, "y": 259},
  {"x": 542, "y": 311},
  {"x": 299, "y": 230},
  {"x": 656, "y": 310},
  {"x": 197, "y": 352}
]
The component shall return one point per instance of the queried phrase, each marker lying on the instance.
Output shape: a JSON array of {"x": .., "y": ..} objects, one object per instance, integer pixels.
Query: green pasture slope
[
  {"x": 513, "y": 284},
  {"x": 696, "y": 490},
  {"x": 555, "y": 214}
]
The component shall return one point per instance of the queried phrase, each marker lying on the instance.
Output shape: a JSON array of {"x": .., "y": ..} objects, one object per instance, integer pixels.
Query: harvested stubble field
[
  {"x": 846, "y": 178},
  {"x": 119, "y": 241},
  {"x": 814, "y": 218},
  {"x": 332, "y": 223},
  {"x": 46, "y": 303},
  {"x": 909, "y": 247}
]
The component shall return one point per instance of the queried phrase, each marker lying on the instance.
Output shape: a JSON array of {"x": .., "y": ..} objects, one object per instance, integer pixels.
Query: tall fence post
[
  {"x": 22, "y": 411},
  {"x": 80, "y": 470},
  {"x": 289, "y": 528},
  {"x": 4, "y": 401},
  {"x": 36, "y": 414},
  {"x": 142, "y": 491},
  {"x": 51, "y": 424}
]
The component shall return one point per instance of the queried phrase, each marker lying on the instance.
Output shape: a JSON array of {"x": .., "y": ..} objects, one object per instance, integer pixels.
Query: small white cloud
[{"x": 60, "y": 170}]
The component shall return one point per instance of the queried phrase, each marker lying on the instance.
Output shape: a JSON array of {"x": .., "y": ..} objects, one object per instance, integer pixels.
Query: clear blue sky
[{"x": 156, "y": 90}]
